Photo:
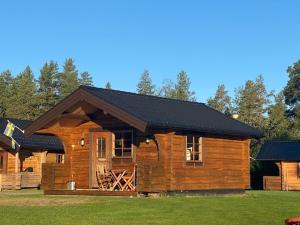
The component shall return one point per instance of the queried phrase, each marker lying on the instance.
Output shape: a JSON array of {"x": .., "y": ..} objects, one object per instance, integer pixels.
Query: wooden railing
[
  {"x": 55, "y": 176},
  {"x": 20, "y": 180},
  {"x": 272, "y": 182}
]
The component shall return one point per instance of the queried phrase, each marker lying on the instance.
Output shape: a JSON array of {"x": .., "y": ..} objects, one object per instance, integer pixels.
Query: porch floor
[{"x": 90, "y": 192}]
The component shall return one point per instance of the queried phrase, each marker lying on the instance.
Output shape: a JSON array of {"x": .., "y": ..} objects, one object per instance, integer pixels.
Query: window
[
  {"x": 101, "y": 148},
  {"x": 60, "y": 158},
  {"x": 194, "y": 148},
  {"x": 123, "y": 144}
]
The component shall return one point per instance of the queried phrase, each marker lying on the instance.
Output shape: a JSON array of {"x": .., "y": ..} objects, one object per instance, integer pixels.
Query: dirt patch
[{"x": 43, "y": 200}]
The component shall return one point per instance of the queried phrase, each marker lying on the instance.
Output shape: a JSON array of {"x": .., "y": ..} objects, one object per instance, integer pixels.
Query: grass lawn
[{"x": 255, "y": 207}]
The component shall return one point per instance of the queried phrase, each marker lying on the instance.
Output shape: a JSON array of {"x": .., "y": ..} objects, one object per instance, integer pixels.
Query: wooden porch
[{"x": 91, "y": 192}]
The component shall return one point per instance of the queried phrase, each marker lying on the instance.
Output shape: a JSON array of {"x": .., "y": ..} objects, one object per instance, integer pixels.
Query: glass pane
[
  {"x": 118, "y": 143},
  {"x": 127, "y": 152},
  {"x": 118, "y": 152},
  {"x": 127, "y": 143},
  {"x": 189, "y": 152},
  {"x": 189, "y": 139},
  {"x": 196, "y": 151},
  {"x": 101, "y": 148}
]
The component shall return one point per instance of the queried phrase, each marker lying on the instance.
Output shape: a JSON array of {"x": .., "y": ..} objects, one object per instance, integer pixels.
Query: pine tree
[
  {"x": 251, "y": 102},
  {"x": 182, "y": 88},
  {"x": 23, "y": 102},
  {"x": 86, "y": 79},
  {"x": 221, "y": 101},
  {"x": 145, "y": 85},
  {"x": 5, "y": 90},
  {"x": 108, "y": 85},
  {"x": 167, "y": 89},
  {"x": 278, "y": 125},
  {"x": 68, "y": 78},
  {"x": 292, "y": 94},
  {"x": 48, "y": 86}
]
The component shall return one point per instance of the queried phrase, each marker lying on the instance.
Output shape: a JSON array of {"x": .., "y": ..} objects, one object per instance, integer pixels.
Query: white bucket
[{"x": 71, "y": 185}]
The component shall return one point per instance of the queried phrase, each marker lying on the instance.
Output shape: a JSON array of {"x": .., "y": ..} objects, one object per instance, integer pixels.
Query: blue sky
[{"x": 213, "y": 41}]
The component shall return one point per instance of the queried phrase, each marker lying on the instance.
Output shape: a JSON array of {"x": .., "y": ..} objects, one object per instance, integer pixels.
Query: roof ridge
[{"x": 149, "y": 96}]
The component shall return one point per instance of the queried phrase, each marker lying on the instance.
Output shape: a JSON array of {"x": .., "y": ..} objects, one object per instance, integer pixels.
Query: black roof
[
  {"x": 35, "y": 141},
  {"x": 280, "y": 151},
  {"x": 160, "y": 112}
]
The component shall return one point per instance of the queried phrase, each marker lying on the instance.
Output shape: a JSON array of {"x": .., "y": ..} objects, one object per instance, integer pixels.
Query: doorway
[{"x": 102, "y": 153}]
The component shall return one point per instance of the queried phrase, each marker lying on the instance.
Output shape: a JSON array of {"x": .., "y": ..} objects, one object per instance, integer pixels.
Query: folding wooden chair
[{"x": 129, "y": 180}]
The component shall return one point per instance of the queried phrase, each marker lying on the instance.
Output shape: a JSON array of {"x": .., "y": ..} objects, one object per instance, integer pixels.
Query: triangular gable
[{"x": 81, "y": 95}]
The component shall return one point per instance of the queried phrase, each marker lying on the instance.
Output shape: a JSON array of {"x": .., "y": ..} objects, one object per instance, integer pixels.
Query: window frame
[
  {"x": 105, "y": 148},
  {"x": 122, "y": 148},
  {"x": 59, "y": 160},
  {"x": 200, "y": 151}
]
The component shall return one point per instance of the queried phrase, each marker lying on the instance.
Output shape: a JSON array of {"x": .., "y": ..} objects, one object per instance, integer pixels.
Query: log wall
[
  {"x": 290, "y": 176},
  {"x": 225, "y": 165}
]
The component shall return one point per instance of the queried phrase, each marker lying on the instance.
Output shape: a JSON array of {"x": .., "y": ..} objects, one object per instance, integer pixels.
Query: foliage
[
  {"x": 180, "y": 90},
  {"x": 5, "y": 89},
  {"x": 23, "y": 97},
  {"x": 278, "y": 125},
  {"x": 221, "y": 101},
  {"x": 145, "y": 85},
  {"x": 167, "y": 90},
  {"x": 23, "y": 101},
  {"x": 48, "y": 86},
  {"x": 251, "y": 102},
  {"x": 86, "y": 79},
  {"x": 68, "y": 78},
  {"x": 108, "y": 85},
  {"x": 292, "y": 89}
]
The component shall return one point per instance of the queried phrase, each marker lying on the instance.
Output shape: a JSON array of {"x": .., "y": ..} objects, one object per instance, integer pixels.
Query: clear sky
[{"x": 213, "y": 41}]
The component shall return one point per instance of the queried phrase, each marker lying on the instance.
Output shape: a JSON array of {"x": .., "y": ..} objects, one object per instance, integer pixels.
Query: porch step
[{"x": 90, "y": 192}]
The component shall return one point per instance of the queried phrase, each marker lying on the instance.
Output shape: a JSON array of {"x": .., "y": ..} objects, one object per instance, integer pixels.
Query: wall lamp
[
  {"x": 147, "y": 140},
  {"x": 82, "y": 142}
]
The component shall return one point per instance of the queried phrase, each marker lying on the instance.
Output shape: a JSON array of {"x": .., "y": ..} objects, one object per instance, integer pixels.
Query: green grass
[{"x": 255, "y": 207}]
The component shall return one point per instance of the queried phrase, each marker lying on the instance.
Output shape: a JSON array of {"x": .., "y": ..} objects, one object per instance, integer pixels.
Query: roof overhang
[
  {"x": 83, "y": 95},
  {"x": 6, "y": 142}
]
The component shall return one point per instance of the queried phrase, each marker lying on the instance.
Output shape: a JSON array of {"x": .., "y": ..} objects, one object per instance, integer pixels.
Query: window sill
[
  {"x": 194, "y": 163},
  {"x": 122, "y": 157}
]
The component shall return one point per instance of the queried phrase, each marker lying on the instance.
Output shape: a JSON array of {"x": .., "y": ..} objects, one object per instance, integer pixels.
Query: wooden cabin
[
  {"x": 284, "y": 158},
  {"x": 172, "y": 146},
  {"x": 22, "y": 167}
]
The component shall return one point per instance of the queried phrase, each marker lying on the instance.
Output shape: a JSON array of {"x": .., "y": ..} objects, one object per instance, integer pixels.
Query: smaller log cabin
[
  {"x": 171, "y": 146},
  {"x": 22, "y": 167},
  {"x": 282, "y": 159}
]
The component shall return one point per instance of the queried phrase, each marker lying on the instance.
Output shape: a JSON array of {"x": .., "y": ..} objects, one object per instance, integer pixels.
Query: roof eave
[{"x": 82, "y": 95}]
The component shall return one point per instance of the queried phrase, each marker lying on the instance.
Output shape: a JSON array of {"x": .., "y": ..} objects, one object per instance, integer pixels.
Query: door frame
[{"x": 93, "y": 157}]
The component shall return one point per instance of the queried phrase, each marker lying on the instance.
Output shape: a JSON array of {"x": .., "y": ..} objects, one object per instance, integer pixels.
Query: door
[
  {"x": 3, "y": 162},
  {"x": 102, "y": 154}
]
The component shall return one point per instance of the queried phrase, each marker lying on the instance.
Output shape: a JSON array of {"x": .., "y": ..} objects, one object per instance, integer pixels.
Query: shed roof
[
  {"x": 144, "y": 111},
  {"x": 34, "y": 142},
  {"x": 280, "y": 151}
]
